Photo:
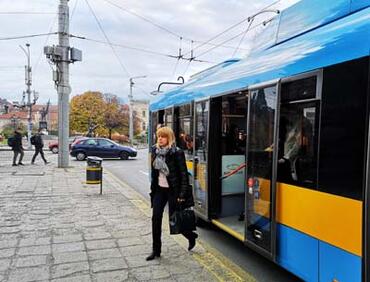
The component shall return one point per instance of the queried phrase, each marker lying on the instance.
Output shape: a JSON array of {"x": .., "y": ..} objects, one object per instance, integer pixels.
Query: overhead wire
[
  {"x": 107, "y": 39},
  {"x": 228, "y": 29},
  {"x": 161, "y": 26},
  {"x": 28, "y": 13},
  {"x": 242, "y": 39},
  {"x": 45, "y": 43},
  {"x": 27, "y": 36}
]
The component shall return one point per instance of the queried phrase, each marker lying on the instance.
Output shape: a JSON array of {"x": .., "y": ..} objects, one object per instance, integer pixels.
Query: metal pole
[
  {"x": 28, "y": 79},
  {"x": 131, "y": 110},
  {"x": 63, "y": 87}
]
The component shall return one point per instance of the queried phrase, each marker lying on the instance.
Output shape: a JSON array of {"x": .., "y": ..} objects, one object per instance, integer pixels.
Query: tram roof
[{"x": 343, "y": 37}]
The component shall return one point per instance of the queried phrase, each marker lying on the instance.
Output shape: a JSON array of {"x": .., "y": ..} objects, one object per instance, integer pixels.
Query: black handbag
[{"x": 182, "y": 221}]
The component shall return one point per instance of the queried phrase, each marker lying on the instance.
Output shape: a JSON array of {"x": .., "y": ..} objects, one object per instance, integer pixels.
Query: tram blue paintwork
[
  {"x": 314, "y": 260},
  {"x": 345, "y": 39},
  {"x": 298, "y": 253},
  {"x": 359, "y": 4}
]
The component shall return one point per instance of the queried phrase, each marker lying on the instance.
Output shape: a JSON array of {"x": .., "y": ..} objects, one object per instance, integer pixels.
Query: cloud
[{"x": 100, "y": 69}]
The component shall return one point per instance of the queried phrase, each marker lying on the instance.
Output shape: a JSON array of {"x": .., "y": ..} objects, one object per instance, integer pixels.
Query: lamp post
[
  {"x": 28, "y": 80},
  {"x": 131, "y": 108}
]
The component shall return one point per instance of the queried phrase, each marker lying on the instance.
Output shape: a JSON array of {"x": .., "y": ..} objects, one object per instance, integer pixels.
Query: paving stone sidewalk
[{"x": 54, "y": 227}]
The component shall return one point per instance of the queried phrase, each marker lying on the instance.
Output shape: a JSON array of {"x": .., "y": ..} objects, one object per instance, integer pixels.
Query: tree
[
  {"x": 114, "y": 117},
  {"x": 85, "y": 109}
]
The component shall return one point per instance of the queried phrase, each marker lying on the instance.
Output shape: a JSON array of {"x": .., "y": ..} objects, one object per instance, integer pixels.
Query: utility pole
[
  {"x": 62, "y": 55},
  {"x": 131, "y": 109},
  {"x": 28, "y": 81}
]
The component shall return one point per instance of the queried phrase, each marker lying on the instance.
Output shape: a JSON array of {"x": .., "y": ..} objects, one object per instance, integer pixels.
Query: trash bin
[{"x": 94, "y": 171}]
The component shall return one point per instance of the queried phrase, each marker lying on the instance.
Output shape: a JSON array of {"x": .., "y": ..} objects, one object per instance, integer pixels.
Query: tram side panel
[{"x": 319, "y": 232}]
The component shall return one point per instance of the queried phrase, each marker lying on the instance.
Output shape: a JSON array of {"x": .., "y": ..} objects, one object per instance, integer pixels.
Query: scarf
[{"x": 160, "y": 160}]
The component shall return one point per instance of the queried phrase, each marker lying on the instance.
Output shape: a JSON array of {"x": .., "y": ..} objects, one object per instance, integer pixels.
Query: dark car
[
  {"x": 54, "y": 145},
  {"x": 100, "y": 147}
]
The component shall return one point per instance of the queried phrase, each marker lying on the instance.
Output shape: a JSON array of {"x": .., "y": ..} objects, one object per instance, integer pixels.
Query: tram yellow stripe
[
  {"x": 227, "y": 229},
  {"x": 330, "y": 218}
]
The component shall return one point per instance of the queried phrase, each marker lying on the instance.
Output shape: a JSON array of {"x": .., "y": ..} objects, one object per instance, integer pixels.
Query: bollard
[{"x": 94, "y": 172}]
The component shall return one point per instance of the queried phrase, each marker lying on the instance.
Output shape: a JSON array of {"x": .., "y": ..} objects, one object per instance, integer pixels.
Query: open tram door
[
  {"x": 262, "y": 135},
  {"x": 200, "y": 160}
]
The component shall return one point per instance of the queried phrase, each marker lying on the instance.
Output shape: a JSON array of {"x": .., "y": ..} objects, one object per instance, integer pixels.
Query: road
[{"x": 134, "y": 172}]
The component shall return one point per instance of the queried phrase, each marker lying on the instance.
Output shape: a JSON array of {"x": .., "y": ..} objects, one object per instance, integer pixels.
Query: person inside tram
[{"x": 294, "y": 138}]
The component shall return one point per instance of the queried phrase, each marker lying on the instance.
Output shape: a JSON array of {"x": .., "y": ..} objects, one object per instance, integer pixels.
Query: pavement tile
[
  {"x": 130, "y": 241},
  {"x": 113, "y": 276},
  {"x": 97, "y": 236},
  {"x": 31, "y": 261},
  {"x": 5, "y": 244},
  {"x": 34, "y": 250},
  {"x": 136, "y": 250},
  {"x": 79, "y": 278},
  {"x": 4, "y": 264},
  {"x": 67, "y": 269},
  {"x": 151, "y": 272},
  {"x": 6, "y": 253},
  {"x": 138, "y": 261},
  {"x": 68, "y": 247},
  {"x": 105, "y": 253},
  {"x": 67, "y": 239},
  {"x": 100, "y": 244},
  {"x": 108, "y": 264},
  {"x": 34, "y": 241},
  {"x": 29, "y": 274},
  {"x": 69, "y": 257}
]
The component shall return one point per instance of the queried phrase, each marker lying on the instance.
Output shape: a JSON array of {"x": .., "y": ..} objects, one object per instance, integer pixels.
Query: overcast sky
[{"x": 100, "y": 70}]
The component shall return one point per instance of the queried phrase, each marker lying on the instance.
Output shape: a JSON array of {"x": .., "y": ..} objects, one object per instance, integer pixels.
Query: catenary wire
[
  {"x": 242, "y": 39},
  {"x": 27, "y": 36},
  {"x": 228, "y": 29},
  {"x": 162, "y": 27},
  {"x": 107, "y": 39}
]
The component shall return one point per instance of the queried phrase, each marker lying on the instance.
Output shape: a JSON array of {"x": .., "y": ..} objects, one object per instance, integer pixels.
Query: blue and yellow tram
[{"x": 296, "y": 111}]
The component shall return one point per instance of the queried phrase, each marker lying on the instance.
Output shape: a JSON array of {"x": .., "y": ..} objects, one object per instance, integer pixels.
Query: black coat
[
  {"x": 17, "y": 146},
  {"x": 178, "y": 178},
  {"x": 39, "y": 143}
]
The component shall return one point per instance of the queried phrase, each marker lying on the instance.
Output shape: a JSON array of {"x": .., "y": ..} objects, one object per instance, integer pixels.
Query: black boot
[
  {"x": 192, "y": 241},
  {"x": 152, "y": 256}
]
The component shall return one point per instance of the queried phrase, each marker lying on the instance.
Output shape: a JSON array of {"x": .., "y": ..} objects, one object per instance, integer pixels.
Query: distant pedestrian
[
  {"x": 170, "y": 183},
  {"x": 37, "y": 141},
  {"x": 17, "y": 148}
]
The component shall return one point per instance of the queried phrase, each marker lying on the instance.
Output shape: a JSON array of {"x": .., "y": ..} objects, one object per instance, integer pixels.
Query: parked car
[
  {"x": 100, "y": 147},
  {"x": 54, "y": 145}
]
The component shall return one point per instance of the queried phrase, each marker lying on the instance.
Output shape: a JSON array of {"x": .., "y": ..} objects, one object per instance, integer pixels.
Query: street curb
[{"x": 216, "y": 263}]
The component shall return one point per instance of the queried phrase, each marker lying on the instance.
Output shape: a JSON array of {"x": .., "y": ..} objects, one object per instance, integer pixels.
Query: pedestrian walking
[
  {"x": 17, "y": 148},
  {"x": 170, "y": 183},
  {"x": 37, "y": 141}
]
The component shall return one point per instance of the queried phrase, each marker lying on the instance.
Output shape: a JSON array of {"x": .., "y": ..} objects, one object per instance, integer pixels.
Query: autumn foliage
[{"x": 103, "y": 110}]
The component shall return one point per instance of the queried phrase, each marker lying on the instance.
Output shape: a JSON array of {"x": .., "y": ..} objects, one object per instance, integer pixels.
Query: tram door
[
  {"x": 201, "y": 158},
  {"x": 261, "y": 178}
]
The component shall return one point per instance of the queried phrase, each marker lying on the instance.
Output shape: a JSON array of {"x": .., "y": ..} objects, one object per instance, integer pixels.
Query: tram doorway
[{"x": 227, "y": 163}]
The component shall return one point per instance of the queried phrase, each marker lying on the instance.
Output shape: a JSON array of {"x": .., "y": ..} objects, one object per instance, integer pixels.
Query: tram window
[
  {"x": 234, "y": 110},
  {"x": 343, "y": 129},
  {"x": 184, "y": 134},
  {"x": 169, "y": 117},
  {"x": 297, "y": 162},
  {"x": 300, "y": 89}
]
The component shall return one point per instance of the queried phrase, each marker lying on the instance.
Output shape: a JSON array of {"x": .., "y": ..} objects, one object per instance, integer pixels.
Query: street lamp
[
  {"x": 131, "y": 108},
  {"x": 28, "y": 80},
  {"x": 158, "y": 91}
]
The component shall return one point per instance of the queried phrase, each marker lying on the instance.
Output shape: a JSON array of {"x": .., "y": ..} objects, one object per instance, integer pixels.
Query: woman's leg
[{"x": 159, "y": 202}]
